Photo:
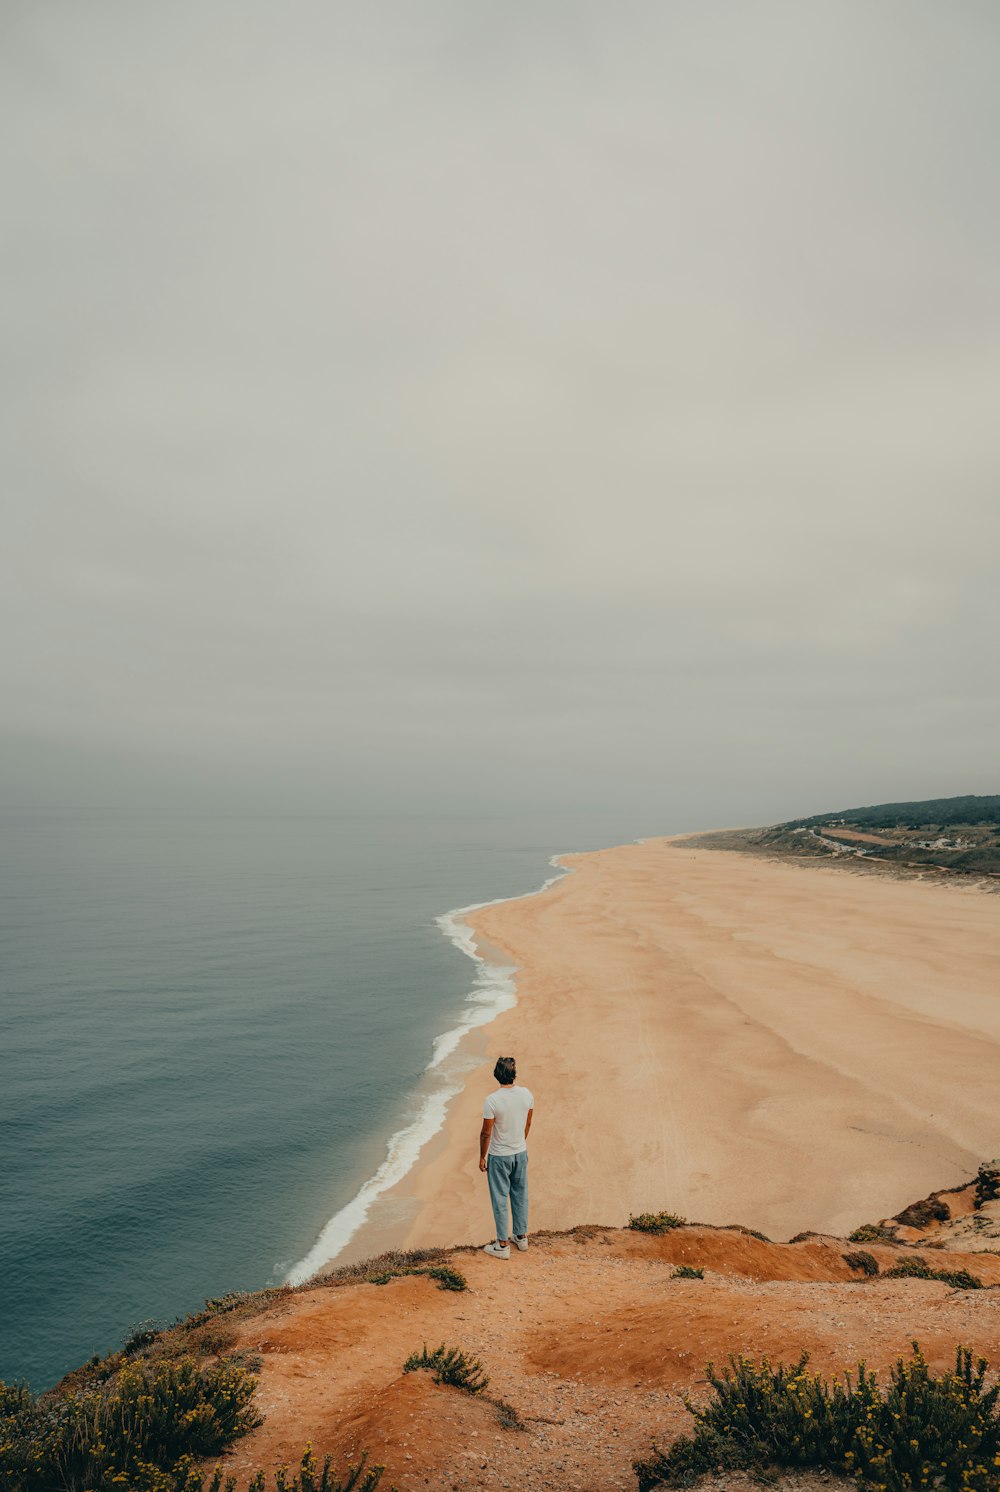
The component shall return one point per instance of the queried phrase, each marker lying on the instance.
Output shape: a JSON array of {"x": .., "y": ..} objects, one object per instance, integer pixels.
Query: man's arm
[
  {"x": 527, "y": 1122},
  {"x": 484, "y": 1141}
]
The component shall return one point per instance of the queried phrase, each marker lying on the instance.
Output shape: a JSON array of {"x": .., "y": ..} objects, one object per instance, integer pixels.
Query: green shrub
[
  {"x": 687, "y": 1272},
  {"x": 449, "y": 1365},
  {"x": 149, "y": 1414},
  {"x": 916, "y": 1269},
  {"x": 656, "y": 1222},
  {"x": 862, "y": 1260},
  {"x": 127, "y": 1439},
  {"x": 919, "y": 1214},
  {"x": 447, "y": 1278},
  {"x": 872, "y": 1233},
  {"x": 920, "y": 1431}
]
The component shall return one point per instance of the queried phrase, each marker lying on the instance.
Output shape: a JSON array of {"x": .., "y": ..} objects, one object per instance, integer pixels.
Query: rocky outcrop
[
  {"x": 965, "y": 1218},
  {"x": 988, "y": 1183}
]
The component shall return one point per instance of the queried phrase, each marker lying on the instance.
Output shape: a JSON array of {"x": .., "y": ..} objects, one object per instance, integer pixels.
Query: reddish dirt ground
[{"x": 593, "y": 1343}]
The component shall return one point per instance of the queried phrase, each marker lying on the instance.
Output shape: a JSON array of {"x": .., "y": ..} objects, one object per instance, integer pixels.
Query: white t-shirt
[{"x": 508, "y": 1108}]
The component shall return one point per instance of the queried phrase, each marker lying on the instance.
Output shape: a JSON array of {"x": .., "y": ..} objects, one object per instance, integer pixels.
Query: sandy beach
[{"x": 735, "y": 1039}]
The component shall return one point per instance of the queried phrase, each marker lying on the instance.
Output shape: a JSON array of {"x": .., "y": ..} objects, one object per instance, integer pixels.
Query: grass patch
[
  {"x": 392, "y": 1261},
  {"x": 449, "y": 1365},
  {"x": 863, "y": 1261},
  {"x": 916, "y": 1269},
  {"x": 687, "y": 1272},
  {"x": 237, "y": 1304},
  {"x": 447, "y": 1278},
  {"x": 656, "y": 1222},
  {"x": 922, "y": 1430}
]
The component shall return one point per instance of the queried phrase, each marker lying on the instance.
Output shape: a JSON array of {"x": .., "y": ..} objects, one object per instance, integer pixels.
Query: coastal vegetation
[
  {"x": 939, "y": 813},
  {"x": 656, "y": 1222},
  {"x": 957, "y": 836},
  {"x": 918, "y": 1269},
  {"x": 863, "y": 1261},
  {"x": 144, "y": 1428},
  {"x": 146, "y": 1418},
  {"x": 446, "y": 1277},
  {"x": 125, "y": 1422},
  {"x": 384, "y": 1267},
  {"x": 920, "y": 1214},
  {"x": 922, "y": 1430},
  {"x": 449, "y": 1365},
  {"x": 872, "y": 1233}
]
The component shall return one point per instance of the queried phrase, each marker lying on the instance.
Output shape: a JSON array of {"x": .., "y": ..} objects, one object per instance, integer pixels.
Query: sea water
[{"x": 214, "y": 1041}]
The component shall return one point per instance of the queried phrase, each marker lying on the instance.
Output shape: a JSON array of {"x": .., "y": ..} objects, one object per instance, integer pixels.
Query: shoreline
[
  {"x": 493, "y": 991},
  {"x": 719, "y": 1017}
]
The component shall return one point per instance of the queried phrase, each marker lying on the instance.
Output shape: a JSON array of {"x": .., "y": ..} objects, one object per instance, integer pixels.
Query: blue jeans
[{"x": 508, "y": 1179}]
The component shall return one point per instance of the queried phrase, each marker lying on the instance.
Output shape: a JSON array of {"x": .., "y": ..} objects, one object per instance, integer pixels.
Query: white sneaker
[
  {"x": 495, "y": 1249},
  {"x": 522, "y": 1243}
]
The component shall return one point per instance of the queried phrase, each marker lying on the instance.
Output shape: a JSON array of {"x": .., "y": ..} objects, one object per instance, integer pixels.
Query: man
[{"x": 503, "y": 1155}]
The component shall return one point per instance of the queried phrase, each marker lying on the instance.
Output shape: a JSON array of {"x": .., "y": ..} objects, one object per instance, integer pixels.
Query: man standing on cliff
[{"x": 503, "y": 1155}]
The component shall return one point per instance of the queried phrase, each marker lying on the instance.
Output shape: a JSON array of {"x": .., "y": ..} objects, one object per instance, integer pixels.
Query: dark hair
[{"x": 505, "y": 1071}]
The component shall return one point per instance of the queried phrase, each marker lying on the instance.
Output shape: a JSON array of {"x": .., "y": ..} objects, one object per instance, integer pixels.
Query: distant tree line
[{"x": 940, "y": 813}]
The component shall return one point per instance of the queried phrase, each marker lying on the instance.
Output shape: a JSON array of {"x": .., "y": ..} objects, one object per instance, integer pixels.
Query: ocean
[{"x": 215, "y": 1033}]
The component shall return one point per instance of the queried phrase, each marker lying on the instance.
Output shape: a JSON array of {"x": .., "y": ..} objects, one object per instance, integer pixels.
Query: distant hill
[
  {"x": 936, "y": 837},
  {"x": 954, "y": 836},
  {"x": 941, "y": 813}
]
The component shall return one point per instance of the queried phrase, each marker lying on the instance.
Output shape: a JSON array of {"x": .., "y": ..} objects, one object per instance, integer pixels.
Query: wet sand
[{"x": 737, "y": 1040}]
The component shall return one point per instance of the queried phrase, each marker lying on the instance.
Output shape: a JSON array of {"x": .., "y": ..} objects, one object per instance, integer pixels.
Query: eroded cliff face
[
  {"x": 962, "y": 1219},
  {"x": 594, "y": 1343}
]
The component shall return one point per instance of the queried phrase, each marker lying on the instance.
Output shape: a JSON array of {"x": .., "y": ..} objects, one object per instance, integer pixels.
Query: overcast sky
[{"x": 573, "y": 403}]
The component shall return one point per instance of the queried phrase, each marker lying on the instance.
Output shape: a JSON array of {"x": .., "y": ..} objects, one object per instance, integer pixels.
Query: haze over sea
[{"x": 210, "y": 1028}]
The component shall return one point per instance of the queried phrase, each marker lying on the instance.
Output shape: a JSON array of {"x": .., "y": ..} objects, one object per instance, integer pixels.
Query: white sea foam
[
  {"x": 493, "y": 991},
  {"x": 402, "y": 1151}
]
